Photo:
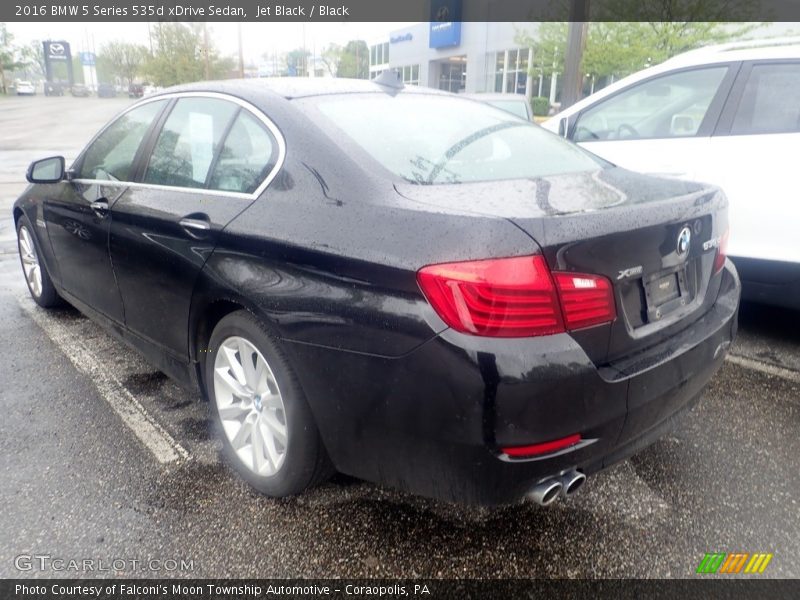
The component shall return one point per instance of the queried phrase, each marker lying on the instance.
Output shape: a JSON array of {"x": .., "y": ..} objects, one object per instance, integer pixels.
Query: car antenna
[{"x": 391, "y": 79}]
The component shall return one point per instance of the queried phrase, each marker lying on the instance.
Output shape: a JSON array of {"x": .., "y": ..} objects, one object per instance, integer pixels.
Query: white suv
[{"x": 728, "y": 115}]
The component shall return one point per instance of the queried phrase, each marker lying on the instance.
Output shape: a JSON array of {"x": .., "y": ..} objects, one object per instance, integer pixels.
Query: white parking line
[
  {"x": 134, "y": 415},
  {"x": 763, "y": 367}
]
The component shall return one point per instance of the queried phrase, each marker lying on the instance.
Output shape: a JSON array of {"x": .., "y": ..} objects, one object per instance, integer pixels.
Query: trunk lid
[{"x": 654, "y": 239}]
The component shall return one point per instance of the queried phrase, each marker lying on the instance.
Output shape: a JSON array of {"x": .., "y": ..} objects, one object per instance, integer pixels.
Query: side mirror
[
  {"x": 562, "y": 127},
  {"x": 46, "y": 170}
]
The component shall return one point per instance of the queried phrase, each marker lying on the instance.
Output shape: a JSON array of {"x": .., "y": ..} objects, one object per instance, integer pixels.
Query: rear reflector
[
  {"x": 542, "y": 448},
  {"x": 515, "y": 297},
  {"x": 722, "y": 252}
]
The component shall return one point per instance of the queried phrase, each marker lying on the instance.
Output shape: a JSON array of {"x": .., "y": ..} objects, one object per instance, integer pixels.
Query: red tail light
[
  {"x": 722, "y": 252},
  {"x": 515, "y": 297},
  {"x": 586, "y": 299}
]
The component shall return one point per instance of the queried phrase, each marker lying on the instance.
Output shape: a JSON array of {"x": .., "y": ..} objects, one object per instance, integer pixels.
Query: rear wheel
[
  {"x": 268, "y": 432},
  {"x": 39, "y": 283}
]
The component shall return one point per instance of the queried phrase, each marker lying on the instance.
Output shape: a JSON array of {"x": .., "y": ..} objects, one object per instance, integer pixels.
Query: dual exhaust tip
[{"x": 546, "y": 492}]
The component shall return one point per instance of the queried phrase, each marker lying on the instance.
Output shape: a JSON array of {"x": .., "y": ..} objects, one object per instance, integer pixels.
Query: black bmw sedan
[{"x": 406, "y": 286}]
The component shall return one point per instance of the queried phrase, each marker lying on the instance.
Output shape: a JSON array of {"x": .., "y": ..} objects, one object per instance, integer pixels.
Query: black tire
[
  {"x": 306, "y": 462},
  {"x": 48, "y": 296}
]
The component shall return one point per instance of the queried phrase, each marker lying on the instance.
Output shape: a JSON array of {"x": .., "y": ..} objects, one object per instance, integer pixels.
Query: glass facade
[
  {"x": 511, "y": 70},
  {"x": 453, "y": 77},
  {"x": 379, "y": 54},
  {"x": 410, "y": 74}
]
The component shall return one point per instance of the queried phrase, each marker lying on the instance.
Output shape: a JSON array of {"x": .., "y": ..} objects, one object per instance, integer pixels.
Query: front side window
[
  {"x": 111, "y": 155},
  {"x": 770, "y": 103},
  {"x": 188, "y": 141},
  {"x": 431, "y": 139},
  {"x": 246, "y": 158},
  {"x": 665, "y": 107}
]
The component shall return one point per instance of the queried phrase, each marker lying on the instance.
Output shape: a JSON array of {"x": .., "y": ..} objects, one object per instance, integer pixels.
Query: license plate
[{"x": 662, "y": 290}]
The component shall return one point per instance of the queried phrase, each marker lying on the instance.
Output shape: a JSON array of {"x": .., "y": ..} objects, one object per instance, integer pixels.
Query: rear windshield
[{"x": 430, "y": 139}]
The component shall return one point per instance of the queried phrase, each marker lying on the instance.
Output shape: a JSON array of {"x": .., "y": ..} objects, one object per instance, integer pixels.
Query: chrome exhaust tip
[
  {"x": 571, "y": 482},
  {"x": 546, "y": 492}
]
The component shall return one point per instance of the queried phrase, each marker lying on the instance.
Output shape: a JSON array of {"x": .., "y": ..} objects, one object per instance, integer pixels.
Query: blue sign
[
  {"x": 88, "y": 59},
  {"x": 445, "y": 23},
  {"x": 403, "y": 37}
]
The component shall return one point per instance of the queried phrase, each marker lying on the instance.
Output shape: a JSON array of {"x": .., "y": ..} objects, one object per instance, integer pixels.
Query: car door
[
  {"x": 208, "y": 162},
  {"x": 661, "y": 125},
  {"x": 77, "y": 217},
  {"x": 754, "y": 157}
]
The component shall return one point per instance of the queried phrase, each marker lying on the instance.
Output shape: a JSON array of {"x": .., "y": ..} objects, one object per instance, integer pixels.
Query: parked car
[
  {"x": 80, "y": 91},
  {"x": 106, "y": 90},
  {"x": 53, "y": 88},
  {"x": 397, "y": 283},
  {"x": 516, "y": 104},
  {"x": 726, "y": 114},
  {"x": 25, "y": 88},
  {"x": 135, "y": 90}
]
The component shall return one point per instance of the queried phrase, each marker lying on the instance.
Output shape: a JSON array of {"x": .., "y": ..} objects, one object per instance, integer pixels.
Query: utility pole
[
  {"x": 241, "y": 54},
  {"x": 576, "y": 43},
  {"x": 205, "y": 51}
]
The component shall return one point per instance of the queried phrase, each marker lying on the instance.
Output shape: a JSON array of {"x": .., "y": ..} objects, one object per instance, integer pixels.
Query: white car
[
  {"x": 25, "y": 88},
  {"x": 728, "y": 115}
]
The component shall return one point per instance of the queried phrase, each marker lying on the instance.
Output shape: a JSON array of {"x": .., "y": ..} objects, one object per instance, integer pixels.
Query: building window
[
  {"x": 453, "y": 75},
  {"x": 379, "y": 54},
  {"x": 511, "y": 71},
  {"x": 410, "y": 74}
]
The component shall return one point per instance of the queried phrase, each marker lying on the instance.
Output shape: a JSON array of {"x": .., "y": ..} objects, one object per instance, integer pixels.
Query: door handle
[
  {"x": 100, "y": 207},
  {"x": 195, "y": 227}
]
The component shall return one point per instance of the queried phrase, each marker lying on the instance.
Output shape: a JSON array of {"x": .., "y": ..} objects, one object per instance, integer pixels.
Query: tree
[
  {"x": 122, "y": 59},
  {"x": 617, "y": 49},
  {"x": 354, "y": 60},
  {"x": 180, "y": 55},
  {"x": 10, "y": 58},
  {"x": 297, "y": 62},
  {"x": 331, "y": 57}
]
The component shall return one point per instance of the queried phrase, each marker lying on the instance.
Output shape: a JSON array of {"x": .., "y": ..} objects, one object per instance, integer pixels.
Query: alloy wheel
[
  {"x": 30, "y": 261},
  {"x": 250, "y": 406}
]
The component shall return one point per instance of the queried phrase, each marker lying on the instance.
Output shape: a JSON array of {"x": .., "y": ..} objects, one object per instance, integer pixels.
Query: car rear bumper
[{"x": 434, "y": 421}]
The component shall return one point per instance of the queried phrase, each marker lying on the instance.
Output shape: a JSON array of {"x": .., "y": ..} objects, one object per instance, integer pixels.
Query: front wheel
[
  {"x": 39, "y": 283},
  {"x": 268, "y": 432}
]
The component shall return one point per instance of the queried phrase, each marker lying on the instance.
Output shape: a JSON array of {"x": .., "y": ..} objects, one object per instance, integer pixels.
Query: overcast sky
[{"x": 257, "y": 38}]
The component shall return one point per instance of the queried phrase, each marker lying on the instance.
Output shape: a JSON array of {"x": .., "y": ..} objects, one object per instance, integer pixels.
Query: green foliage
[
  {"x": 180, "y": 55},
  {"x": 121, "y": 60},
  {"x": 11, "y": 58},
  {"x": 297, "y": 61},
  {"x": 621, "y": 48},
  {"x": 354, "y": 60},
  {"x": 540, "y": 106}
]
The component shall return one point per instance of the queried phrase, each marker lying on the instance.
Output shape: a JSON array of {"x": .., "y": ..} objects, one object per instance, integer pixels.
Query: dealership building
[{"x": 463, "y": 57}]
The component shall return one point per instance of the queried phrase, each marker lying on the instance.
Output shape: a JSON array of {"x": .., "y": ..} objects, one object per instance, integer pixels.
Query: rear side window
[
  {"x": 431, "y": 139},
  {"x": 664, "y": 107},
  {"x": 185, "y": 147},
  {"x": 111, "y": 155},
  {"x": 770, "y": 102},
  {"x": 246, "y": 157}
]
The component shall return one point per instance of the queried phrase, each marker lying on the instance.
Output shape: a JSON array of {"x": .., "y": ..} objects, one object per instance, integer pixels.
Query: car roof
[
  {"x": 763, "y": 49},
  {"x": 298, "y": 87}
]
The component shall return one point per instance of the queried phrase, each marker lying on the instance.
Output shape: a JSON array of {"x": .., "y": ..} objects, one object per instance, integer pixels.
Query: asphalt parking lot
[{"x": 104, "y": 458}]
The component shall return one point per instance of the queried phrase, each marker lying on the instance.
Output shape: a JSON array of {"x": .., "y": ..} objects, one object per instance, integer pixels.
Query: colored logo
[{"x": 734, "y": 563}]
